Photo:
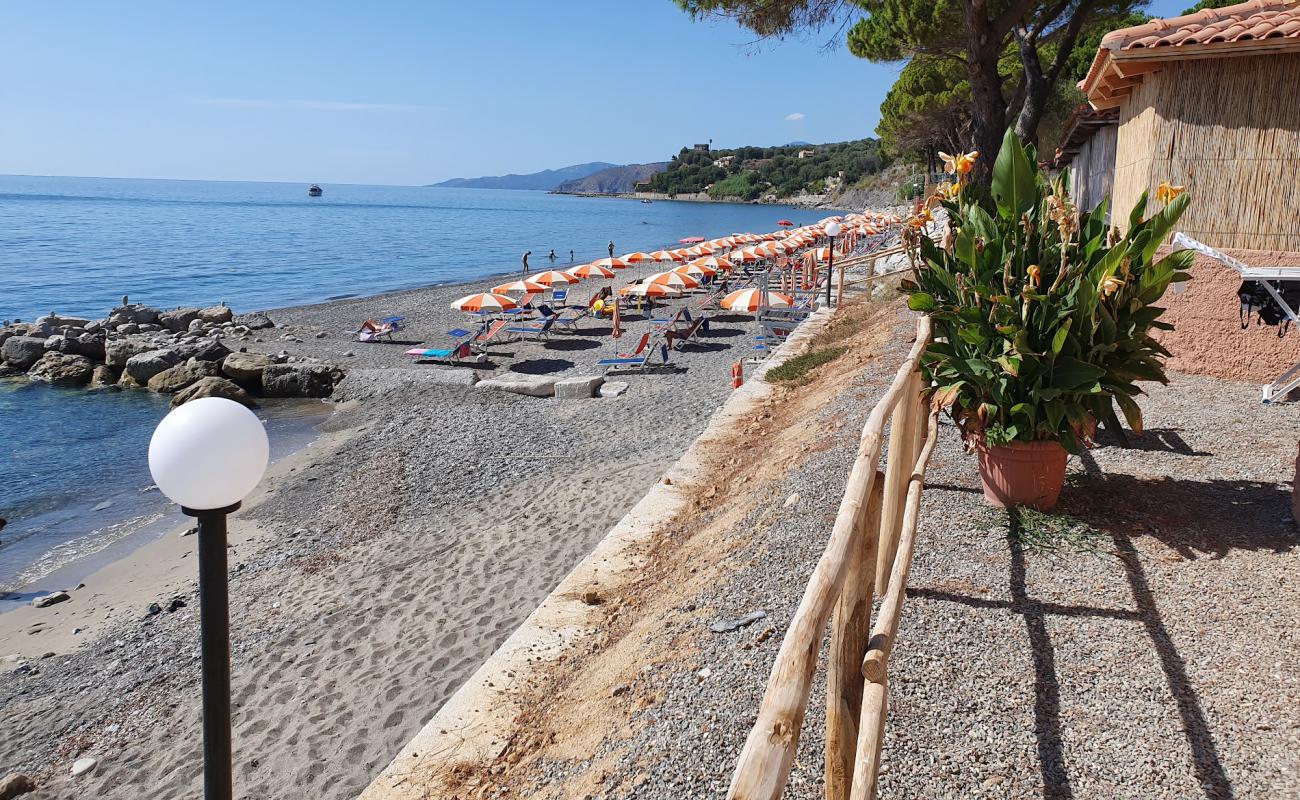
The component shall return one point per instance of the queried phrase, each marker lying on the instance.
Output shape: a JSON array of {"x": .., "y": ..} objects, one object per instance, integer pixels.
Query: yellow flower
[
  {"x": 1109, "y": 285},
  {"x": 1166, "y": 191},
  {"x": 961, "y": 163},
  {"x": 1035, "y": 276},
  {"x": 922, "y": 217}
]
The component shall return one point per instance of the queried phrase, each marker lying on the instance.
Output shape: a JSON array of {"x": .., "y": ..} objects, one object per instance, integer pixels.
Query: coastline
[{"x": 375, "y": 570}]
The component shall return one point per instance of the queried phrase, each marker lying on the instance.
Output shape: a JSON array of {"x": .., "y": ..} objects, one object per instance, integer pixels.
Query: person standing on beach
[
  {"x": 527, "y": 253},
  {"x": 611, "y": 248}
]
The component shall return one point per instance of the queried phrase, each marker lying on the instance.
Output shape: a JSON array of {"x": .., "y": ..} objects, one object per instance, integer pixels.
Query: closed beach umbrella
[
  {"x": 647, "y": 289},
  {"x": 750, "y": 300},
  {"x": 523, "y": 287},
  {"x": 674, "y": 279},
  {"x": 611, "y": 263},
  {"x": 485, "y": 301},
  {"x": 552, "y": 278},
  {"x": 821, "y": 253},
  {"x": 590, "y": 271}
]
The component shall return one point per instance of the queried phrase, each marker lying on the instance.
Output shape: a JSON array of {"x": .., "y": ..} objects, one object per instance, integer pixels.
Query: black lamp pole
[
  {"x": 830, "y": 271},
  {"x": 214, "y": 620}
]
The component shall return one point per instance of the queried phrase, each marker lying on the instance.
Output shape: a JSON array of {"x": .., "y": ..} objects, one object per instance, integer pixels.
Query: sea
[{"x": 76, "y": 489}]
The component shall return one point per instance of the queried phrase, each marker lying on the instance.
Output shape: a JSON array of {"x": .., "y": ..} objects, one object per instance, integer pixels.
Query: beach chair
[
  {"x": 638, "y": 359},
  {"x": 668, "y": 324},
  {"x": 487, "y": 334},
  {"x": 569, "y": 319},
  {"x": 460, "y": 350},
  {"x": 540, "y": 330},
  {"x": 377, "y": 330},
  {"x": 523, "y": 306},
  {"x": 559, "y": 296},
  {"x": 679, "y": 339}
]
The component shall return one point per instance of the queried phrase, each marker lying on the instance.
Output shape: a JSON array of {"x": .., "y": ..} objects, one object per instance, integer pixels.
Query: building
[
  {"x": 701, "y": 148},
  {"x": 1209, "y": 101},
  {"x": 807, "y": 153}
]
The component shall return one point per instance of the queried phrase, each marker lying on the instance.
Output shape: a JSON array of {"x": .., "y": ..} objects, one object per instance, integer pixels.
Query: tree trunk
[
  {"x": 1037, "y": 89},
  {"x": 988, "y": 107}
]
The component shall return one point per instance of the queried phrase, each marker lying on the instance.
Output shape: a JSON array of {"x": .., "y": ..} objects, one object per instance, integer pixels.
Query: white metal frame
[{"x": 1264, "y": 275}]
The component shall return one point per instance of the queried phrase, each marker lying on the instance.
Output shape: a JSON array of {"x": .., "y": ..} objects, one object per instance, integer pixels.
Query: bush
[{"x": 800, "y": 365}]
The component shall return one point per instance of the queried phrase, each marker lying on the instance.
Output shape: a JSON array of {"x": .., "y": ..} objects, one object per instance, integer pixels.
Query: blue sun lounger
[{"x": 638, "y": 359}]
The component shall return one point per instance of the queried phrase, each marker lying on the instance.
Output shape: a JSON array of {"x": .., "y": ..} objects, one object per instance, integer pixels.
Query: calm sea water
[
  {"x": 76, "y": 481},
  {"x": 76, "y": 245}
]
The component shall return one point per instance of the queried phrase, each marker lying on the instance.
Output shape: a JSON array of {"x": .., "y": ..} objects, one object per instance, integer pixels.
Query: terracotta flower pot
[{"x": 1022, "y": 474}]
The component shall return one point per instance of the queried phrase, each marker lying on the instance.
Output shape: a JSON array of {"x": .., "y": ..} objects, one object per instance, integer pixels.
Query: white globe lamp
[
  {"x": 832, "y": 230},
  {"x": 207, "y": 456}
]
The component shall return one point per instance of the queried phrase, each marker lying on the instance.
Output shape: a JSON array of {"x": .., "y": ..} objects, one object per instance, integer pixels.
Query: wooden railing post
[
  {"x": 901, "y": 455},
  {"x": 849, "y": 632}
]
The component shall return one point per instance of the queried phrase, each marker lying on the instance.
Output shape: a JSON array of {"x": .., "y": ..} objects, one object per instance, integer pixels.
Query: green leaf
[
  {"x": 1132, "y": 412},
  {"x": 922, "y": 301},
  {"x": 1071, "y": 373},
  {"x": 1014, "y": 186},
  {"x": 1058, "y": 341}
]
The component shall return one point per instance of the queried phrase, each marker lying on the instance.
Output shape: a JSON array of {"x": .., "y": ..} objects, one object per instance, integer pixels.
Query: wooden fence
[{"x": 870, "y": 550}]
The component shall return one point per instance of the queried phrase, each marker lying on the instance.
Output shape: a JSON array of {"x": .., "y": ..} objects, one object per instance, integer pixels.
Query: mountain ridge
[
  {"x": 614, "y": 180},
  {"x": 545, "y": 180}
]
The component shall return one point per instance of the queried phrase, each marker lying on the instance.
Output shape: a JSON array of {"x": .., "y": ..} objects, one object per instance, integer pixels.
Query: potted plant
[{"x": 1042, "y": 318}]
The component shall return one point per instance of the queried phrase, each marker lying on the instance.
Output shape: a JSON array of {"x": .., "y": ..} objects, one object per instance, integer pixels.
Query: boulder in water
[
  {"x": 62, "y": 369},
  {"x": 22, "y": 351},
  {"x": 118, "y": 351},
  {"x": 246, "y": 368},
  {"x": 213, "y": 387},
  {"x": 144, "y": 366},
  {"x": 173, "y": 379}
]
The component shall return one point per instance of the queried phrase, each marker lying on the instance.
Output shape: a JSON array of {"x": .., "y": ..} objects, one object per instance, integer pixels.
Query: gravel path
[{"x": 1141, "y": 642}]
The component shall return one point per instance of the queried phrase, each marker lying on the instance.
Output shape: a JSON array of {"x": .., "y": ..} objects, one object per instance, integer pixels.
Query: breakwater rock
[{"x": 182, "y": 352}]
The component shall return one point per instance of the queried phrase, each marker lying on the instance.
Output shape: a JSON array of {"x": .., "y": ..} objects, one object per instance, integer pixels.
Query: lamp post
[
  {"x": 207, "y": 456},
  {"x": 832, "y": 230}
]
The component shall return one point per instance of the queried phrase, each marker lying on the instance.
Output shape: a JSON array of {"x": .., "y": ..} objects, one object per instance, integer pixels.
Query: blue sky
[{"x": 403, "y": 92}]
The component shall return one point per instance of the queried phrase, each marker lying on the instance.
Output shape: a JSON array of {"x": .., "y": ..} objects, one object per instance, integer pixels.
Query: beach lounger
[
  {"x": 685, "y": 336},
  {"x": 523, "y": 306},
  {"x": 374, "y": 331},
  {"x": 537, "y": 331},
  {"x": 487, "y": 334},
  {"x": 460, "y": 350},
  {"x": 569, "y": 319},
  {"x": 638, "y": 359},
  {"x": 558, "y": 296}
]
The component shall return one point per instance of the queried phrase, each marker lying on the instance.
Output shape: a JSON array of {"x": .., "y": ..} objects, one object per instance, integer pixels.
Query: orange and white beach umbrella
[
  {"x": 745, "y": 256},
  {"x": 750, "y": 300},
  {"x": 552, "y": 278},
  {"x": 638, "y": 258},
  {"x": 695, "y": 269},
  {"x": 611, "y": 263},
  {"x": 715, "y": 263},
  {"x": 665, "y": 256},
  {"x": 523, "y": 287},
  {"x": 674, "y": 279},
  {"x": 485, "y": 301},
  {"x": 647, "y": 289},
  {"x": 590, "y": 271}
]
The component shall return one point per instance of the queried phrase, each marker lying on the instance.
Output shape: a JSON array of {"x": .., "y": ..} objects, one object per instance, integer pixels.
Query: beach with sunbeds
[{"x": 376, "y": 570}]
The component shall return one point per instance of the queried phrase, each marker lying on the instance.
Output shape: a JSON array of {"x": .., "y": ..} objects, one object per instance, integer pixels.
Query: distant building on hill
[
  {"x": 807, "y": 153},
  {"x": 701, "y": 148}
]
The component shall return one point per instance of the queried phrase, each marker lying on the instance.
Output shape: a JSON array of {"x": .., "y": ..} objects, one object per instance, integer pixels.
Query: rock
[
  {"x": 82, "y": 765},
  {"x": 118, "y": 351},
  {"x": 178, "y": 319},
  {"x": 726, "y": 625},
  {"x": 621, "y": 690},
  {"x": 15, "y": 784},
  {"x": 103, "y": 376},
  {"x": 704, "y": 673},
  {"x": 87, "y": 344},
  {"x": 144, "y": 366},
  {"x": 582, "y": 387},
  {"x": 196, "y": 326},
  {"x": 590, "y": 597},
  {"x": 299, "y": 380},
  {"x": 216, "y": 315},
  {"x": 213, "y": 387},
  {"x": 531, "y": 385},
  {"x": 791, "y": 500},
  {"x": 45, "y": 601},
  {"x": 62, "y": 369},
  {"x": 59, "y": 321},
  {"x": 153, "y": 610},
  {"x": 127, "y": 328},
  {"x": 125, "y": 381},
  {"x": 22, "y": 351},
  {"x": 212, "y": 350},
  {"x": 173, "y": 379},
  {"x": 254, "y": 322},
  {"x": 246, "y": 368},
  {"x": 175, "y": 605},
  {"x": 135, "y": 314},
  {"x": 7, "y": 371},
  {"x": 613, "y": 388}
]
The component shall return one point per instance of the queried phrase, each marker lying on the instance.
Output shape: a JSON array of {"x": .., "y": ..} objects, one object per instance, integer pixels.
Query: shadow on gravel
[
  {"x": 1192, "y": 517},
  {"x": 1154, "y": 440},
  {"x": 570, "y": 344},
  {"x": 714, "y": 332},
  {"x": 541, "y": 366}
]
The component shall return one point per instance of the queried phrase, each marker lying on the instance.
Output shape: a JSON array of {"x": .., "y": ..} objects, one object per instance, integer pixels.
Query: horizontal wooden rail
[{"x": 769, "y": 751}]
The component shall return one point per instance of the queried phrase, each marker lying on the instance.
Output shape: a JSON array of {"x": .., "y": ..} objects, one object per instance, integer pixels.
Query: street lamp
[
  {"x": 832, "y": 230},
  {"x": 207, "y": 455}
]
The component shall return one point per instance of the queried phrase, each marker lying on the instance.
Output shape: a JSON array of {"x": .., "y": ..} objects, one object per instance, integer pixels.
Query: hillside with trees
[
  {"x": 753, "y": 173},
  {"x": 614, "y": 180}
]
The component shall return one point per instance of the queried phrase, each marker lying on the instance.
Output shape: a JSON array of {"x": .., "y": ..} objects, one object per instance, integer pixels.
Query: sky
[{"x": 404, "y": 92}]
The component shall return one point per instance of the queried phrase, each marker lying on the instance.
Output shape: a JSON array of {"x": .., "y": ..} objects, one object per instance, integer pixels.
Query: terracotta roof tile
[{"x": 1256, "y": 20}]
